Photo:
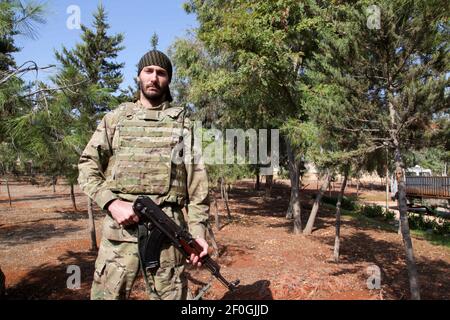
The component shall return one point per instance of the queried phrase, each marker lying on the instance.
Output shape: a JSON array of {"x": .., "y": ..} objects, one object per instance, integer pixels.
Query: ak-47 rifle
[{"x": 159, "y": 228}]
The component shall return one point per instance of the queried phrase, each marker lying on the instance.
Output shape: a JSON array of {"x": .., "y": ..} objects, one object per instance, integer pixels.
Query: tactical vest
[{"x": 144, "y": 145}]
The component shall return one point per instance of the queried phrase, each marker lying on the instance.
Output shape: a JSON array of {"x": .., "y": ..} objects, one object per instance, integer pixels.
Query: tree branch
[
  {"x": 54, "y": 89},
  {"x": 358, "y": 130},
  {"x": 21, "y": 69}
]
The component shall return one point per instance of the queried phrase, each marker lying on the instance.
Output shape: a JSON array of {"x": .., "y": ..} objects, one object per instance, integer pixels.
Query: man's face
[{"x": 154, "y": 82}]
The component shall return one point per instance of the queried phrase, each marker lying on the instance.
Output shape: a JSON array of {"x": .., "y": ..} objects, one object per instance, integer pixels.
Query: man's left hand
[{"x": 195, "y": 259}]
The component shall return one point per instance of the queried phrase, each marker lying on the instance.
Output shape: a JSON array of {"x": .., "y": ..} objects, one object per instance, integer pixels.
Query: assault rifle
[{"x": 160, "y": 228}]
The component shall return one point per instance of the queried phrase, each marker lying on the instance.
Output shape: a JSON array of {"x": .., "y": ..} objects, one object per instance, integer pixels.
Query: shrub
[
  {"x": 389, "y": 215},
  {"x": 417, "y": 222},
  {"x": 371, "y": 211},
  {"x": 348, "y": 203},
  {"x": 438, "y": 226},
  {"x": 441, "y": 226}
]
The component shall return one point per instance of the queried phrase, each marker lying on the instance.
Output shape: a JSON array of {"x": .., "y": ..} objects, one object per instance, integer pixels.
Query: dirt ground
[{"x": 41, "y": 236}]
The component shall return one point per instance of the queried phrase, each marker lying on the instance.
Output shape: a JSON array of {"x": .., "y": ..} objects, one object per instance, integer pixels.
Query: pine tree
[
  {"x": 393, "y": 81},
  {"x": 7, "y": 33},
  {"x": 61, "y": 122},
  {"x": 15, "y": 19},
  {"x": 93, "y": 60},
  {"x": 258, "y": 51},
  {"x": 91, "y": 77},
  {"x": 154, "y": 41}
]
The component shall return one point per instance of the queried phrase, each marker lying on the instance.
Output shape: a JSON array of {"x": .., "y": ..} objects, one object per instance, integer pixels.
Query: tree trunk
[
  {"x": 216, "y": 211},
  {"x": 213, "y": 240},
  {"x": 294, "y": 210},
  {"x": 315, "y": 208},
  {"x": 357, "y": 187},
  {"x": 92, "y": 226},
  {"x": 72, "y": 196},
  {"x": 387, "y": 189},
  {"x": 54, "y": 184},
  {"x": 337, "y": 240},
  {"x": 9, "y": 193},
  {"x": 258, "y": 182},
  {"x": 224, "y": 194},
  {"x": 330, "y": 186},
  {"x": 404, "y": 225},
  {"x": 402, "y": 205},
  {"x": 268, "y": 186}
]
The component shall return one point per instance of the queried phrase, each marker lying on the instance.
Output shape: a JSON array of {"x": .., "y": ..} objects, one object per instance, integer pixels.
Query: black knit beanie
[{"x": 156, "y": 58}]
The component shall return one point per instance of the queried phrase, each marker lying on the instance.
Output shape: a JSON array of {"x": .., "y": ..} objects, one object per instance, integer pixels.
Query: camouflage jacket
[{"x": 94, "y": 176}]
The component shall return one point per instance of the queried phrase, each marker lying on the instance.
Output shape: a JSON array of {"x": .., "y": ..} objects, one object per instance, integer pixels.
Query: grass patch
[
  {"x": 348, "y": 203},
  {"x": 381, "y": 224},
  {"x": 436, "y": 239},
  {"x": 373, "y": 196},
  {"x": 374, "y": 223}
]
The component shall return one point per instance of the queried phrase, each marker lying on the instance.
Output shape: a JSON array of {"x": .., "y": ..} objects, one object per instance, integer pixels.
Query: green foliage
[
  {"x": 358, "y": 72},
  {"x": 304, "y": 137},
  {"x": 371, "y": 211},
  {"x": 347, "y": 203},
  {"x": 52, "y": 130},
  {"x": 229, "y": 173},
  {"x": 283, "y": 173},
  {"x": 243, "y": 68},
  {"x": 90, "y": 76},
  {"x": 438, "y": 226},
  {"x": 12, "y": 101},
  {"x": 8, "y": 157},
  {"x": 389, "y": 215},
  {"x": 17, "y": 18},
  {"x": 154, "y": 41},
  {"x": 40, "y": 135},
  {"x": 343, "y": 95},
  {"x": 434, "y": 158},
  {"x": 92, "y": 64}
]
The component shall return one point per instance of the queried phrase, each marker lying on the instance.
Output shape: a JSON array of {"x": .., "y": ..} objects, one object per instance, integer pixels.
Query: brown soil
[{"x": 41, "y": 236}]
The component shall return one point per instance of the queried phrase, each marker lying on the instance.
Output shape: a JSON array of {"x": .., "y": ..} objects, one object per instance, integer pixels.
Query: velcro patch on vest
[{"x": 153, "y": 115}]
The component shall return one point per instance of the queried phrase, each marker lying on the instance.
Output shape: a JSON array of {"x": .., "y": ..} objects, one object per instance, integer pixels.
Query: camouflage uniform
[{"x": 131, "y": 154}]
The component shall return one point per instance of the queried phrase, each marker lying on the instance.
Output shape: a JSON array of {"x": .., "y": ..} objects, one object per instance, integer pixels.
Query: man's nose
[{"x": 153, "y": 76}]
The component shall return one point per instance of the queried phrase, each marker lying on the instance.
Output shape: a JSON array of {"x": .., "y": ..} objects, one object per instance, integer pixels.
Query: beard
[{"x": 153, "y": 95}]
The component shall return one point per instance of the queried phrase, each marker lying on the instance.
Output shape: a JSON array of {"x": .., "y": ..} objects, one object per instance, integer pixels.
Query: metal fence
[{"x": 428, "y": 187}]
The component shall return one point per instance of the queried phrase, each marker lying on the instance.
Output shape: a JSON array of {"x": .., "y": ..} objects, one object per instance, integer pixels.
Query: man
[{"x": 132, "y": 153}]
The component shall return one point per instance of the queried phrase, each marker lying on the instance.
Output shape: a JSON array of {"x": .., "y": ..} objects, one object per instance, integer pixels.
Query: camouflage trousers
[{"x": 117, "y": 266}]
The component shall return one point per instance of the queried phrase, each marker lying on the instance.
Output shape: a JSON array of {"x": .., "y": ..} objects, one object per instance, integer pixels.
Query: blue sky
[{"x": 136, "y": 19}]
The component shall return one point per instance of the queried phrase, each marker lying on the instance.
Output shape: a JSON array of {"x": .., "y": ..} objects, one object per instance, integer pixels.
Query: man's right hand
[{"x": 122, "y": 212}]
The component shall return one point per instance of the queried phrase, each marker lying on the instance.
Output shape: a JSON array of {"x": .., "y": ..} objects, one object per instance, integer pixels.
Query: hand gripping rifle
[{"x": 160, "y": 228}]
